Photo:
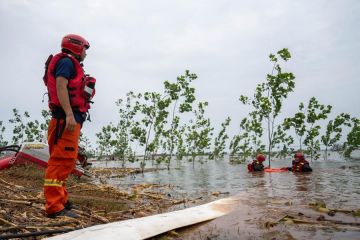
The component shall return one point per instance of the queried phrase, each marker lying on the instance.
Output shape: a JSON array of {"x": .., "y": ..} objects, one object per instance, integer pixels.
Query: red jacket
[
  {"x": 301, "y": 166},
  {"x": 80, "y": 91},
  {"x": 255, "y": 166}
]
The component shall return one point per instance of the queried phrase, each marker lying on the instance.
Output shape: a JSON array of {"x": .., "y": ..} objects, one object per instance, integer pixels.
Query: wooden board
[{"x": 146, "y": 227}]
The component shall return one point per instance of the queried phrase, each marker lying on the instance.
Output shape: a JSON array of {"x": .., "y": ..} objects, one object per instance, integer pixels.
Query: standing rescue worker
[
  {"x": 300, "y": 164},
  {"x": 257, "y": 164},
  {"x": 70, "y": 92}
]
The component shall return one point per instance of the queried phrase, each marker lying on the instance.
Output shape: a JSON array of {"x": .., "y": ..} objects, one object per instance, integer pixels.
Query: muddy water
[{"x": 265, "y": 198}]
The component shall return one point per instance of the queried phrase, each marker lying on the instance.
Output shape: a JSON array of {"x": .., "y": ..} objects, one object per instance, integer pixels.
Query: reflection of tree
[
  {"x": 257, "y": 188},
  {"x": 203, "y": 178},
  {"x": 303, "y": 180}
]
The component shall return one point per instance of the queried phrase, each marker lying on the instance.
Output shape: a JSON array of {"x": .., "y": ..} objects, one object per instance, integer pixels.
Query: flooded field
[{"x": 270, "y": 205}]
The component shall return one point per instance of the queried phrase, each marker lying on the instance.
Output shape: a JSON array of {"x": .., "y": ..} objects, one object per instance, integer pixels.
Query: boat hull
[{"x": 32, "y": 152}]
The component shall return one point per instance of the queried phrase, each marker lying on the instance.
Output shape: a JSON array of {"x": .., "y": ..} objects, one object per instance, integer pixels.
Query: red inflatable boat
[
  {"x": 283, "y": 169},
  {"x": 30, "y": 152}
]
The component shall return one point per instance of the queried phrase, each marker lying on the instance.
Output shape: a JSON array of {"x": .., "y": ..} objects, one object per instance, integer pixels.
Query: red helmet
[
  {"x": 260, "y": 157},
  {"x": 299, "y": 155},
  {"x": 74, "y": 43}
]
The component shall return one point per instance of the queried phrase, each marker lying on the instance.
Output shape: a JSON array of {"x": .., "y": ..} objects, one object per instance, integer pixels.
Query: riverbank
[{"x": 22, "y": 203}]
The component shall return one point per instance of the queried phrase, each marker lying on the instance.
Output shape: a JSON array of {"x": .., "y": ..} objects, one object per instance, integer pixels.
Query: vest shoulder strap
[{"x": 45, "y": 77}]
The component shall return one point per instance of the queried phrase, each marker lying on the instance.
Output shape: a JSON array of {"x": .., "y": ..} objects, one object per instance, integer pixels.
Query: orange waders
[{"x": 63, "y": 148}]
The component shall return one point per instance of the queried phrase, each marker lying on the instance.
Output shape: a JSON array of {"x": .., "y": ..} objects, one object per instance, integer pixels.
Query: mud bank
[{"x": 22, "y": 201}]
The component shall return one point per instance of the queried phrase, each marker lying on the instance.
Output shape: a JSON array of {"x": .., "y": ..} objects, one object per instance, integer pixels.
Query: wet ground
[
  {"x": 22, "y": 214},
  {"x": 323, "y": 204}
]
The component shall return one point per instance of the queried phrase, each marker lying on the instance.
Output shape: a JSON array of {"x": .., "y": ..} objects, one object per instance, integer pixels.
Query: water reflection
[
  {"x": 338, "y": 177},
  {"x": 303, "y": 180}
]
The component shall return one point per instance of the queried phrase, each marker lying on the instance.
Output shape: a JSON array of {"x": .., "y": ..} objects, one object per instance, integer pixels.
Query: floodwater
[{"x": 265, "y": 198}]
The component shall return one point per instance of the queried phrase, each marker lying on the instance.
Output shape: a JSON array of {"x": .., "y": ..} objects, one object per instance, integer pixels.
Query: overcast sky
[{"x": 136, "y": 45}]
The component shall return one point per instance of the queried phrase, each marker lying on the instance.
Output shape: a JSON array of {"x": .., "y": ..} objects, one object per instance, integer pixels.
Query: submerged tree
[
  {"x": 305, "y": 123},
  {"x": 269, "y": 96},
  {"x": 181, "y": 139},
  {"x": 157, "y": 126},
  {"x": 249, "y": 141},
  {"x": 334, "y": 130},
  {"x": 127, "y": 112},
  {"x": 298, "y": 123},
  {"x": 315, "y": 112},
  {"x": 240, "y": 145},
  {"x": 182, "y": 95},
  {"x": 220, "y": 141},
  {"x": 284, "y": 141},
  {"x": 199, "y": 132},
  {"x": 353, "y": 138},
  {"x": 171, "y": 140},
  {"x": 155, "y": 114},
  {"x": 106, "y": 140}
]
